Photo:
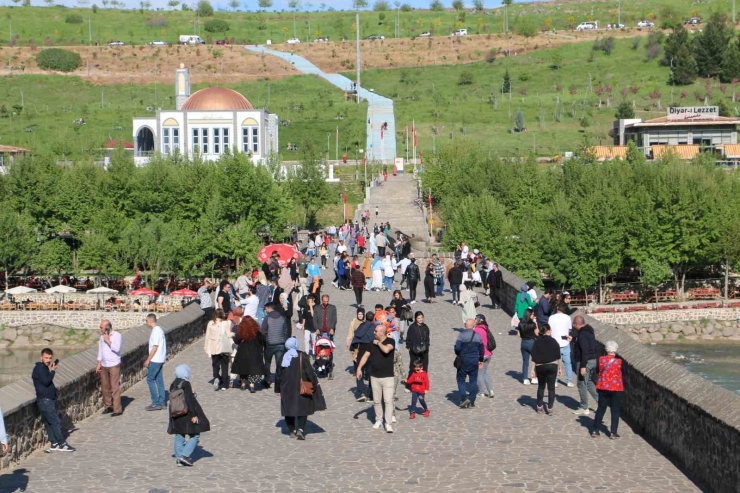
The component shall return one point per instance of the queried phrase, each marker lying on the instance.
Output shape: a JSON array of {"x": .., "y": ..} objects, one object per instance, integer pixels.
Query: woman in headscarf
[
  {"x": 467, "y": 300},
  {"x": 294, "y": 406},
  {"x": 429, "y": 283},
  {"x": 373, "y": 246},
  {"x": 286, "y": 310},
  {"x": 249, "y": 362},
  {"x": 285, "y": 280},
  {"x": 417, "y": 342},
  {"x": 523, "y": 302},
  {"x": 192, "y": 423},
  {"x": 377, "y": 267}
]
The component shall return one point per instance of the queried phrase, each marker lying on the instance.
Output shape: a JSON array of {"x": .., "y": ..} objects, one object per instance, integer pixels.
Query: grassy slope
[
  {"x": 52, "y": 103},
  {"x": 36, "y": 24},
  {"x": 427, "y": 89}
]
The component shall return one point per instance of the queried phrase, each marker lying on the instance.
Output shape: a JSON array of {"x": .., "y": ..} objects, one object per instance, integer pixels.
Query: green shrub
[
  {"x": 205, "y": 9},
  {"x": 466, "y": 78},
  {"x": 73, "y": 19},
  {"x": 216, "y": 26},
  {"x": 58, "y": 59}
]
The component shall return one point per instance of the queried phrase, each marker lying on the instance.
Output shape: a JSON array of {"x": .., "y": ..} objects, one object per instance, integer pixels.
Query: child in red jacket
[{"x": 418, "y": 383}]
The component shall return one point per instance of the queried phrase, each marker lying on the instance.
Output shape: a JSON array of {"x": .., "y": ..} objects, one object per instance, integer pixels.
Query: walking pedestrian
[
  {"x": 468, "y": 300},
  {"x": 217, "y": 345},
  {"x": 154, "y": 363},
  {"x": 296, "y": 404},
  {"x": 528, "y": 332},
  {"x": 418, "y": 383},
  {"x": 610, "y": 387},
  {"x": 584, "y": 362},
  {"x": 455, "y": 276},
  {"x": 376, "y": 211},
  {"x": 561, "y": 326},
  {"x": 357, "y": 279},
  {"x": 381, "y": 376},
  {"x": 325, "y": 318},
  {"x": 305, "y": 321},
  {"x": 249, "y": 361},
  {"x": 3, "y": 434},
  {"x": 389, "y": 270},
  {"x": 403, "y": 311},
  {"x": 485, "y": 387},
  {"x": 495, "y": 282},
  {"x": 109, "y": 368},
  {"x": 204, "y": 298},
  {"x": 545, "y": 356},
  {"x": 273, "y": 328},
  {"x": 412, "y": 278},
  {"x": 523, "y": 302},
  {"x": 312, "y": 271},
  {"x": 360, "y": 344},
  {"x": 429, "y": 283},
  {"x": 439, "y": 275},
  {"x": 190, "y": 421},
  {"x": 380, "y": 243},
  {"x": 46, "y": 401},
  {"x": 418, "y": 341},
  {"x": 469, "y": 360},
  {"x": 223, "y": 298}
]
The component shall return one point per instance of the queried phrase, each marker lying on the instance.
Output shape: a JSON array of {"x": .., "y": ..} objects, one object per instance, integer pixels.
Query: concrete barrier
[
  {"x": 688, "y": 418},
  {"x": 79, "y": 386}
]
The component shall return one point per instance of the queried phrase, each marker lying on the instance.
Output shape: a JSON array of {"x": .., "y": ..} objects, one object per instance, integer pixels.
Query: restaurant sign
[{"x": 693, "y": 113}]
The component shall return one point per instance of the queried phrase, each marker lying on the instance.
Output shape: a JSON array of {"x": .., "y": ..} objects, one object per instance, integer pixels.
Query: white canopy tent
[
  {"x": 60, "y": 289},
  {"x": 102, "y": 290},
  {"x": 20, "y": 290}
]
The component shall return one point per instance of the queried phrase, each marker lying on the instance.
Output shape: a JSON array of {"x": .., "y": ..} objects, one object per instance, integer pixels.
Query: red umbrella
[
  {"x": 285, "y": 251},
  {"x": 143, "y": 292},
  {"x": 187, "y": 293}
]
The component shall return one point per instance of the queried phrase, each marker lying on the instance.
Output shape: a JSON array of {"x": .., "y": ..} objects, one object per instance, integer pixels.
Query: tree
[
  {"x": 653, "y": 273},
  {"x": 436, "y": 6},
  {"x": 381, "y": 6},
  {"x": 506, "y": 86},
  {"x": 264, "y": 4},
  {"x": 625, "y": 111},
  {"x": 204, "y": 9},
  {"x": 711, "y": 44},
  {"x": 359, "y": 4},
  {"x": 53, "y": 256},
  {"x": 234, "y": 4},
  {"x": 678, "y": 38},
  {"x": 458, "y": 5},
  {"x": 307, "y": 186},
  {"x": 557, "y": 60},
  {"x": 16, "y": 241},
  {"x": 731, "y": 62},
  {"x": 519, "y": 121},
  {"x": 478, "y": 5},
  {"x": 480, "y": 221},
  {"x": 684, "y": 69}
]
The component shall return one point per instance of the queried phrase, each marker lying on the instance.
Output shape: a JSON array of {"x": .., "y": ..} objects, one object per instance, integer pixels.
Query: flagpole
[
  {"x": 407, "y": 143},
  {"x": 336, "y": 154}
]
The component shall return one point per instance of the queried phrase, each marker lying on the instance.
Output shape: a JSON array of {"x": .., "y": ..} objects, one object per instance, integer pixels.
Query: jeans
[
  {"x": 467, "y": 391},
  {"x": 546, "y": 375},
  {"x": 383, "y": 389},
  {"x": 484, "y": 379},
  {"x": 48, "y": 410},
  {"x": 183, "y": 448},
  {"x": 209, "y": 312},
  {"x": 455, "y": 288},
  {"x": 220, "y": 366},
  {"x": 565, "y": 354},
  {"x": 278, "y": 351},
  {"x": 155, "y": 380},
  {"x": 526, "y": 349},
  {"x": 412, "y": 290},
  {"x": 388, "y": 282},
  {"x": 260, "y": 314},
  {"x": 420, "y": 397},
  {"x": 362, "y": 387},
  {"x": 309, "y": 339},
  {"x": 613, "y": 400},
  {"x": 585, "y": 384},
  {"x": 440, "y": 283}
]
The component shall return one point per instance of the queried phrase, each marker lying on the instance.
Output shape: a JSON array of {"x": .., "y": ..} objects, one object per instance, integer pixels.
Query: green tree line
[
  {"x": 174, "y": 215},
  {"x": 585, "y": 220}
]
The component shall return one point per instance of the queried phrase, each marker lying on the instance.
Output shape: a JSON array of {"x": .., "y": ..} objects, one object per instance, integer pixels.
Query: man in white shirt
[
  {"x": 341, "y": 248},
  {"x": 560, "y": 324},
  {"x": 465, "y": 250},
  {"x": 243, "y": 283},
  {"x": 250, "y": 304},
  {"x": 402, "y": 267},
  {"x": 380, "y": 242},
  {"x": 154, "y": 364},
  {"x": 109, "y": 368}
]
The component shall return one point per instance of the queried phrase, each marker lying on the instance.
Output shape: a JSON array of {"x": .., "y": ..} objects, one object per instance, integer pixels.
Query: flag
[
  {"x": 381, "y": 132},
  {"x": 430, "y": 197}
]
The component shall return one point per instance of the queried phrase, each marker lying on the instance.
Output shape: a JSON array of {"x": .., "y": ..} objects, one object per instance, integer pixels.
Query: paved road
[
  {"x": 502, "y": 445},
  {"x": 379, "y": 110}
]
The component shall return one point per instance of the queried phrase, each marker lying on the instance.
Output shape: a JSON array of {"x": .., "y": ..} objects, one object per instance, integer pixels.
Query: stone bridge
[{"x": 681, "y": 433}]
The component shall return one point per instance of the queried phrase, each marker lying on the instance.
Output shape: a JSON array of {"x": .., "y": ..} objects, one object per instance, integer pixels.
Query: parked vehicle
[
  {"x": 190, "y": 39},
  {"x": 587, "y": 26},
  {"x": 645, "y": 24},
  {"x": 293, "y": 41},
  {"x": 615, "y": 26},
  {"x": 115, "y": 43},
  {"x": 460, "y": 32},
  {"x": 374, "y": 36},
  {"x": 158, "y": 43},
  {"x": 321, "y": 40},
  {"x": 693, "y": 21},
  {"x": 425, "y": 34}
]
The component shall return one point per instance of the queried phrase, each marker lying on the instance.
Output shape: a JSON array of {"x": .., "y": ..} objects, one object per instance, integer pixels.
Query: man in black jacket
[
  {"x": 46, "y": 400},
  {"x": 455, "y": 276},
  {"x": 584, "y": 363},
  {"x": 495, "y": 281},
  {"x": 412, "y": 278}
]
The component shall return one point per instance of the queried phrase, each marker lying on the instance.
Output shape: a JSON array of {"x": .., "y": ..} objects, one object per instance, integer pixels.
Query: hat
[
  {"x": 475, "y": 251},
  {"x": 481, "y": 318}
]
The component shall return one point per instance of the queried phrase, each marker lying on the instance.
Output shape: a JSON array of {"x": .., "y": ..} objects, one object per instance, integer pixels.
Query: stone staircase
[{"x": 395, "y": 201}]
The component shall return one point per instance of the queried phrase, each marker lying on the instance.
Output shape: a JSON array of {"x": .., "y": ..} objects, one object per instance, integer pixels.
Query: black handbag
[{"x": 458, "y": 359}]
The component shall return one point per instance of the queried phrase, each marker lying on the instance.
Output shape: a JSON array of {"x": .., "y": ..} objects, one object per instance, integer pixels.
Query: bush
[
  {"x": 58, "y": 59},
  {"x": 205, "y": 9},
  {"x": 491, "y": 55},
  {"x": 216, "y": 26},
  {"x": 624, "y": 111},
  {"x": 466, "y": 78},
  {"x": 606, "y": 45},
  {"x": 73, "y": 19}
]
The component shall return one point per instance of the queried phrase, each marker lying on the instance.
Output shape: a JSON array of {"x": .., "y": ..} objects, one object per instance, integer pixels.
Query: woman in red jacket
[
  {"x": 418, "y": 383},
  {"x": 610, "y": 387}
]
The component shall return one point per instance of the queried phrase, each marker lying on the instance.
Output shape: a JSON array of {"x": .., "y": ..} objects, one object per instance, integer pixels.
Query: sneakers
[
  {"x": 426, "y": 413},
  {"x": 393, "y": 419},
  {"x": 52, "y": 448},
  {"x": 65, "y": 447},
  {"x": 614, "y": 436},
  {"x": 571, "y": 384},
  {"x": 412, "y": 415},
  {"x": 490, "y": 394},
  {"x": 412, "y": 302},
  {"x": 299, "y": 435},
  {"x": 185, "y": 461},
  {"x": 377, "y": 425},
  {"x": 216, "y": 384},
  {"x": 388, "y": 428},
  {"x": 362, "y": 398},
  {"x": 534, "y": 381},
  {"x": 581, "y": 412},
  {"x": 153, "y": 407},
  {"x": 556, "y": 384},
  {"x": 540, "y": 410},
  {"x": 526, "y": 381},
  {"x": 464, "y": 404},
  {"x": 595, "y": 434}
]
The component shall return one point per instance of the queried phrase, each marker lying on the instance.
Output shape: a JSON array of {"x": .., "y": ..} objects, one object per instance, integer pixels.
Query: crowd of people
[{"x": 253, "y": 321}]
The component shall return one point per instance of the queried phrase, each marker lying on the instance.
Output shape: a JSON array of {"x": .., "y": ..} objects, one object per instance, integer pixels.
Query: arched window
[
  {"x": 250, "y": 136},
  {"x": 170, "y": 136}
]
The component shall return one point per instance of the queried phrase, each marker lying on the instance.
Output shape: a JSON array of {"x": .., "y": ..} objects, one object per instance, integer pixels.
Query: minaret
[{"x": 182, "y": 86}]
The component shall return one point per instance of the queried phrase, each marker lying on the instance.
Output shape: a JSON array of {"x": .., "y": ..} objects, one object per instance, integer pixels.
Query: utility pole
[
  {"x": 619, "y": 12},
  {"x": 89, "y": 27},
  {"x": 357, "y": 86},
  {"x": 294, "y": 30}
]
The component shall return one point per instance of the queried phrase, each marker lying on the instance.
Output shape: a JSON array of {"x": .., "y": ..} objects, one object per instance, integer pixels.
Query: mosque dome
[{"x": 217, "y": 98}]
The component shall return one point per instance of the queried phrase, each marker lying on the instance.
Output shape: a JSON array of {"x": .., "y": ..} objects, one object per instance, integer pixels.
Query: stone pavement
[{"x": 502, "y": 445}]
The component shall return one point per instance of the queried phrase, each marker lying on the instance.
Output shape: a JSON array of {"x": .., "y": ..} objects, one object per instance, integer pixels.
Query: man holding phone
[
  {"x": 46, "y": 400},
  {"x": 109, "y": 368}
]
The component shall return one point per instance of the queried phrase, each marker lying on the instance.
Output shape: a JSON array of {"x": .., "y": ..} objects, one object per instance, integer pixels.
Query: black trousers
[
  {"x": 381, "y": 251},
  {"x": 291, "y": 422},
  {"x": 220, "y": 366},
  {"x": 412, "y": 290},
  {"x": 209, "y": 313},
  {"x": 424, "y": 357},
  {"x": 613, "y": 400},
  {"x": 546, "y": 375},
  {"x": 358, "y": 295}
]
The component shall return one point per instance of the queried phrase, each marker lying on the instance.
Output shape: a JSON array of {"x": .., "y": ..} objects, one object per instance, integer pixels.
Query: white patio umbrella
[
  {"x": 60, "y": 289},
  {"x": 102, "y": 290},
  {"x": 20, "y": 290}
]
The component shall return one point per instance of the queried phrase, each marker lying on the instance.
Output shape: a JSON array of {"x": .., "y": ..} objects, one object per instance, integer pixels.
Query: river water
[
  {"x": 717, "y": 362},
  {"x": 19, "y": 363}
]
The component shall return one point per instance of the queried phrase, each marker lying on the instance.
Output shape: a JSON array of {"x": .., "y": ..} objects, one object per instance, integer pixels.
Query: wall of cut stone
[
  {"x": 71, "y": 319},
  {"x": 79, "y": 385},
  {"x": 658, "y": 316},
  {"x": 694, "y": 421},
  {"x": 690, "y": 330}
]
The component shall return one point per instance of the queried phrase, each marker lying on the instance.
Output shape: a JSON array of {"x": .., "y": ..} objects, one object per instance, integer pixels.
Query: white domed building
[{"x": 206, "y": 123}]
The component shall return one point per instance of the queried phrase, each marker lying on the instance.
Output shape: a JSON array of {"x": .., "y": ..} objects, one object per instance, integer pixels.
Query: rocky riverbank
[
  {"x": 704, "y": 329},
  {"x": 43, "y": 335}
]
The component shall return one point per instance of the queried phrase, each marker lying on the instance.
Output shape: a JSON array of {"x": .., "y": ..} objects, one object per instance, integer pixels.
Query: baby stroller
[{"x": 324, "y": 363}]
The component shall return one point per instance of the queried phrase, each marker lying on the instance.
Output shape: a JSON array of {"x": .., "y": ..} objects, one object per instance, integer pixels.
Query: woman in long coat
[
  {"x": 249, "y": 362},
  {"x": 293, "y": 406},
  {"x": 192, "y": 424},
  {"x": 467, "y": 300}
]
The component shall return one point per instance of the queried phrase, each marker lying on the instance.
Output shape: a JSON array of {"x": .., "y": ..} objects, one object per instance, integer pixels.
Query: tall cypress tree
[
  {"x": 506, "y": 86},
  {"x": 678, "y": 38},
  {"x": 731, "y": 62},
  {"x": 684, "y": 68},
  {"x": 710, "y": 45}
]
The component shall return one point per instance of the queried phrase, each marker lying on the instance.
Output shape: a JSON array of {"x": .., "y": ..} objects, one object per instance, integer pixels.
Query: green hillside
[{"x": 51, "y": 25}]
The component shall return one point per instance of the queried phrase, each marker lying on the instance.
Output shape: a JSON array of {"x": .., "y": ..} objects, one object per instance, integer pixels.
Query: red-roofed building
[{"x": 113, "y": 144}]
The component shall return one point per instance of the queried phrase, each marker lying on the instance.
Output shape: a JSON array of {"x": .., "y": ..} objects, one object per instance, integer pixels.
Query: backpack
[
  {"x": 178, "y": 407},
  {"x": 490, "y": 341}
]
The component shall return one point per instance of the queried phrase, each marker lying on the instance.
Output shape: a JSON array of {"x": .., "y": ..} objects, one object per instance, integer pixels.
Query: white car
[
  {"x": 158, "y": 43},
  {"x": 293, "y": 41},
  {"x": 115, "y": 43},
  {"x": 425, "y": 34},
  {"x": 587, "y": 26},
  {"x": 645, "y": 24},
  {"x": 615, "y": 26},
  {"x": 460, "y": 32}
]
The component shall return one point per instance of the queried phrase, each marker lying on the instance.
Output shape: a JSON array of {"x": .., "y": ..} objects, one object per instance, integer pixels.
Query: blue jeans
[
  {"x": 565, "y": 354},
  {"x": 183, "y": 448},
  {"x": 526, "y": 348},
  {"x": 388, "y": 282},
  {"x": 468, "y": 390},
  {"x": 48, "y": 410},
  {"x": 260, "y": 314},
  {"x": 415, "y": 396},
  {"x": 455, "y": 288},
  {"x": 276, "y": 351},
  {"x": 440, "y": 282},
  {"x": 155, "y": 380}
]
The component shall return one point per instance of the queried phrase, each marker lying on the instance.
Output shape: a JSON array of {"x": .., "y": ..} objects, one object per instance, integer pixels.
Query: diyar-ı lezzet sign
[{"x": 693, "y": 113}]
